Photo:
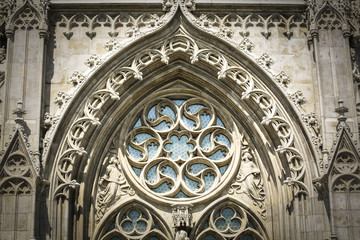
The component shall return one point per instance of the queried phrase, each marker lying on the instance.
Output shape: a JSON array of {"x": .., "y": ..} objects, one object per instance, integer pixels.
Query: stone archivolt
[{"x": 180, "y": 42}]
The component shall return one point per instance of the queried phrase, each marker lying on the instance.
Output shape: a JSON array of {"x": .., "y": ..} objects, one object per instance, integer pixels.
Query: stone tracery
[{"x": 180, "y": 148}]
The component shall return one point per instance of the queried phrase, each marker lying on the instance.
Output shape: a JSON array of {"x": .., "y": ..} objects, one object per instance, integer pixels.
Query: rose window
[{"x": 179, "y": 148}]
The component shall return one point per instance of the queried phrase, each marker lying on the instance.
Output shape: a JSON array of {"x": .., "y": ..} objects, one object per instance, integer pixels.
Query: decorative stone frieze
[
  {"x": 133, "y": 25},
  {"x": 228, "y": 24}
]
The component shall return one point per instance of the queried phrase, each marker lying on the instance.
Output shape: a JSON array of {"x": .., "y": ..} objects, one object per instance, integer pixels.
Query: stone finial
[
  {"x": 19, "y": 111},
  {"x": 341, "y": 110}
]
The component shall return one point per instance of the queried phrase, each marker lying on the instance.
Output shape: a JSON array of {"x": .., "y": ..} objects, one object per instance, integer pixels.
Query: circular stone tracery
[{"x": 180, "y": 148}]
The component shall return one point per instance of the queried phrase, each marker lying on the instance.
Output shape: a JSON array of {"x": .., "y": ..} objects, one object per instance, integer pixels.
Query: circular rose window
[{"x": 180, "y": 150}]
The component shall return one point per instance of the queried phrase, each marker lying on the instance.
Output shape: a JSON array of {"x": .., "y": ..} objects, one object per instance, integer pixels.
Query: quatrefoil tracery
[{"x": 179, "y": 148}]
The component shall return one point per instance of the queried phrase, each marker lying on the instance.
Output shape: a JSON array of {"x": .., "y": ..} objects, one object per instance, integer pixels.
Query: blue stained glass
[
  {"x": 163, "y": 126},
  {"x": 137, "y": 171},
  {"x": 223, "y": 169},
  {"x": 189, "y": 124},
  {"x": 179, "y": 148},
  {"x": 193, "y": 185},
  {"x": 141, "y": 226},
  {"x": 247, "y": 237},
  {"x": 205, "y": 120},
  {"x": 228, "y": 213},
  {"x": 152, "y": 149},
  {"x": 250, "y": 224},
  {"x": 152, "y": 114},
  {"x": 115, "y": 238},
  {"x": 157, "y": 226},
  {"x": 151, "y": 174},
  {"x": 206, "y": 225},
  {"x": 181, "y": 194},
  {"x": 221, "y": 224},
  {"x": 222, "y": 139},
  {"x": 154, "y": 238},
  {"x": 134, "y": 215},
  {"x": 205, "y": 143},
  {"x": 218, "y": 155},
  {"x": 169, "y": 112},
  {"x": 134, "y": 153},
  {"x": 141, "y": 137},
  {"x": 138, "y": 123},
  {"x": 197, "y": 167},
  {"x": 194, "y": 108},
  {"x": 235, "y": 224},
  {"x": 163, "y": 188},
  {"x": 178, "y": 102},
  {"x": 127, "y": 226},
  {"x": 210, "y": 237},
  {"x": 209, "y": 181},
  {"x": 112, "y": 226},
  {"x": 219, "y": 122},
  {"x": 169, "y": 171}
]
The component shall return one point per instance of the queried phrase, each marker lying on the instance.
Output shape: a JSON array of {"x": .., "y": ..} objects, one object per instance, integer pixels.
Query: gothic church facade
[{"x": 179, "y": 119}]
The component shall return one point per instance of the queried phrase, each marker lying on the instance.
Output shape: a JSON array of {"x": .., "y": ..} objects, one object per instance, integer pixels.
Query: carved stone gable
[{"x": 17, "y": 172}]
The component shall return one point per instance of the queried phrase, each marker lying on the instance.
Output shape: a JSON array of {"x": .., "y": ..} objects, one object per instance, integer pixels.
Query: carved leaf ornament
[{"x": 251, "y": 91}]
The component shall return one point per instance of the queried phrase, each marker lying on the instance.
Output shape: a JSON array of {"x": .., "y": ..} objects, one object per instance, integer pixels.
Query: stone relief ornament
[
  {"x": 181, "y": 42},
  {"x": 133, "y": 25},
  {"x": 246, "y": 44},
  {"x": 234, "y": 23},
  {"x": 112, "y": 186},
  {"x": 182, "y": 216},
  {"x": 298, "y": 98},
  {"x": 283, "y": 79},
  {"x": 229, "y": 221},
  {"x": 17, "y": 172},
  {"x": 265, "y": 60},
  {"x": 61, "y": 98},
  {"x": 111, "y": 45},
  {"x": 181, "y": 235},
  {"x": 179, "y": 148},
  {"x": 249, "y": 181},
  {"x": 93, "y": 60},
  {"x": 76, "y": 78},
  {"x": 134, "y": 221}
]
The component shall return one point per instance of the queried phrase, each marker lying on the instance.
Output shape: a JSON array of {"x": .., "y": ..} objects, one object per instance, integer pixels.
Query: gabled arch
[{"x": 127, "y": 78}]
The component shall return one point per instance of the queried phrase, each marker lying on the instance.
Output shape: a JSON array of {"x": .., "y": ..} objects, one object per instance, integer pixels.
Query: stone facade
[{"x": 179, "y": 119}]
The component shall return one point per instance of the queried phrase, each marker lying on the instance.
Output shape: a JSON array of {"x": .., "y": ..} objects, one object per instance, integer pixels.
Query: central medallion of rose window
[{"x": 179, "y": 148}]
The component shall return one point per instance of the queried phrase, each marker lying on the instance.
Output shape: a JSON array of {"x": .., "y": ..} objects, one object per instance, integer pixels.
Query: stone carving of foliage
[
  {"x": 76, "y": 78},
  {"x": 249, "y": 180},
  {"x": 229, "y": 221},
  {"x": 134, "y": 25},
  {"x": 93, "y": 60},
  {"x": 265, "y": 60},
  {"x": 180, "y": 148},
  {"x": 61, "y": 98},
  {"x": 227, "y": 25},
  {"x": 136, "y": 222},
  {"x": 73, "y": 148},
  {"x": 112, "y": 186},
  {"x": 246, "y": 44}
]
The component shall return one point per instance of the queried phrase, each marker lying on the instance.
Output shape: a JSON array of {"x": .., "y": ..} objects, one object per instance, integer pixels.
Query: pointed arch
[{"x": 191, "y": 65}]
